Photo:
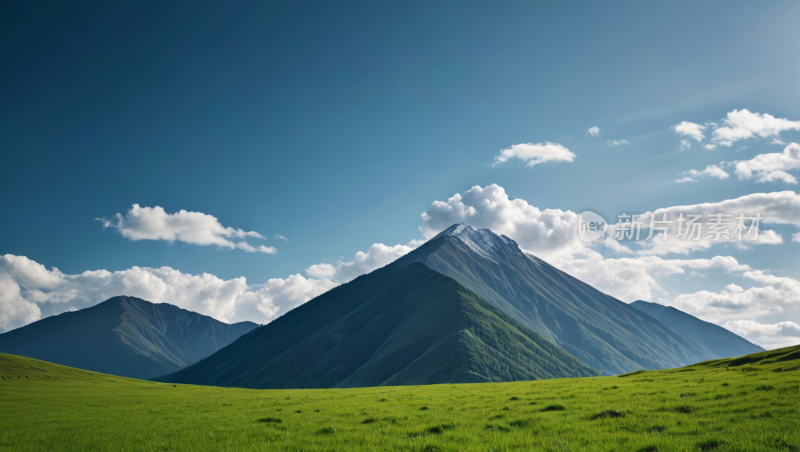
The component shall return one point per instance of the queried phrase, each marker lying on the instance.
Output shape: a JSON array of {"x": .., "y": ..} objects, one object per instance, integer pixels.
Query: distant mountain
[
  {"x": 124, "y": 336},
  {"x": 717, "y": 340},
  {"x": 598, "y": 329},
  {"x": 398, "y": 325}
]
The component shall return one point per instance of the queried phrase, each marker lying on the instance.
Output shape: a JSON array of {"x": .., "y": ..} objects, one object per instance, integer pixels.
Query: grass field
[{"x": 748, "y": 404}]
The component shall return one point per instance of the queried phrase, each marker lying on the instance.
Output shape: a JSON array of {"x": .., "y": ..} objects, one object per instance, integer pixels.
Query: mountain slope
[
  {"x": 600, "y": 330},
  {"x": 717, "y": 340},
  {"x": 124, "y": 336},
  {"x": 394, "y": 326}
]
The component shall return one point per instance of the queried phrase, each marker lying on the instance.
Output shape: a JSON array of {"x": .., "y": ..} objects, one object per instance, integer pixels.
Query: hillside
[
  {"x": 745, "y": 404},
  {"x": 598, "y": 329},
  {"x": 717, "y": 340},
  {"x": 395, "y": 326},
  {"x": 124, "y": 336}
]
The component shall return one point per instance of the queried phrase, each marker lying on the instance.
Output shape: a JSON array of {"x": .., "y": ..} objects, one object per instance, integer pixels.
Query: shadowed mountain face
[
  {"x": 600, "y": 330},
  {"x": 399, "y": 325},
  {"x": 717, "y": 340},
  {"x": 124, "y": 336}
]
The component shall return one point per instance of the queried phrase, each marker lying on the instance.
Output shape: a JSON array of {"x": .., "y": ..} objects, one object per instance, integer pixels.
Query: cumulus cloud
[
  {"x": 377, "y": 256},
  {"x": 154, "y": 223},
  {"x": 685, "y": 179},
  {"x": 280, "y": 237},
  {"x": 742, "y": 124},
  {"x": 29, "y": 291},
  {"x": 769, "y": 336},
  {"x": 711, "y": 170},
  {"x": 685, "y": 145},
  {"x": 542, "y": 232},
  {"x": 710, "y": 147},
  {"x": 774, "y": 296},
  {"x": 771, "y": 167},
  {"x": 615, "y": 143},
  {"x": 552, "y": 235},
  {"x": 737, "y": 219},
  {"x": 593, "y": 131},
  {"x": 796, "y": 237},
  {"x": 535, "y": 154},
  {"x": 691, "y": 130},
  {"x": 777, "y": 141}
]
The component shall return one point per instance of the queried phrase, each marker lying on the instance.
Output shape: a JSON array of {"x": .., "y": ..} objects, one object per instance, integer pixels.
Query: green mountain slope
[
  {"x": 395, "y": 326},
  {"x": 717, "y": 340},
  {"x": 600, "y": 330},
  {"x": 124, "y": 336}
]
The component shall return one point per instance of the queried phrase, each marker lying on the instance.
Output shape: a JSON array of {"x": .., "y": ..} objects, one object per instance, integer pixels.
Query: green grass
[{"x": 719, "y": 405}]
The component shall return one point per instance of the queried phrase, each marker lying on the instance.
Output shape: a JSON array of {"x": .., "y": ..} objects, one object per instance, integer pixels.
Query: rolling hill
[
  {"x": 124, "y": 336},
  {"x": 743, "y": 404},
  {"x": 717, "y": 340},
  {"x": 395, "y": 326}
]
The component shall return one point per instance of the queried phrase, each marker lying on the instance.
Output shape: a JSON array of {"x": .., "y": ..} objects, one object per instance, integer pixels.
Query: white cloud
[
  {"x": 280, "y": 237},
  {"x": 535, "y": 154},
  {"x": 552, "y": 235},
  {"x": 685, "y": 179},
  {"x": 796, "y": 237},
  {"x": 615, "y": 143},
  {"x": 769, "y": 336},
  {"x": 711, "y": 170},
  {"x": 742, "y": 124},
  {"x": 542, "y": 232},
  {"x": 690, "y": 129},
  {"x": 634, "y": 278},
  {"x": 775, "y": 208},
  {"x": 376, "y": 257},
  {"x": 28, "y": 290},
  {"x": 710, "y": 147},
  {"x": 685, "y": 145},
  {"x": 777, "y": 141},
  {"x": 593, "y": 131},
  {"x": 154, "y": 223},
  {"x": 771, "y": 167},
  {"x": 774, "y": 296}
]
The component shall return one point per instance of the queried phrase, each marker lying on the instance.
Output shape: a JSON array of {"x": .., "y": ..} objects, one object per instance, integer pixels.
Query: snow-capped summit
[{"x": 482, "y": 241}]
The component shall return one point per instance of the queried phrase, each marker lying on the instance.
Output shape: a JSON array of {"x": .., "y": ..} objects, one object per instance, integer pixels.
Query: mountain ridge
[
  {"x": 717, "y": 340},
  {"x": 555, "y": 304},
  {"x": 394, "y": 326},
  {"x": 124, "y": 336}
]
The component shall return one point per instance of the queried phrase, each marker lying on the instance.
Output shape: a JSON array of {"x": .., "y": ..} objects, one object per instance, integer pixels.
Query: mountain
[
  {"x": 124, "y": 336},
  {"x": 399, "y": 325},
  {"x": 598, "y": 329},
  {"x": 717, "y": 340}
]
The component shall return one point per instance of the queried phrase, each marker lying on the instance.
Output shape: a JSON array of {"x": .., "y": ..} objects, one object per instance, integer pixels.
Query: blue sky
[{"x": 338, "y": 125}]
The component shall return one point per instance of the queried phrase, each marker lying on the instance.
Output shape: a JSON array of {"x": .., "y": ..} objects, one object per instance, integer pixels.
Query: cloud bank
[{"x": 29, "y": 291}]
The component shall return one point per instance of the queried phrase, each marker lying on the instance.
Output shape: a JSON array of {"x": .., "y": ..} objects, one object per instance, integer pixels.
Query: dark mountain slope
[
  {"x": 124, "y": 336},
  {"x": 717, "y": 340},
  {"x": 394, "y": 326},
  {"x": 600, "y": 330}
]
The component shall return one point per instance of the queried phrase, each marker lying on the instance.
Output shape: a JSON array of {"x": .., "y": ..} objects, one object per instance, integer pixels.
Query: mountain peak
[{"x": 483, "y": 241}]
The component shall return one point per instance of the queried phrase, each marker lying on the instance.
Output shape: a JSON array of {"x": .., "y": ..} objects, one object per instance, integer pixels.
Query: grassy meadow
[{"x": 744, "y": 404}]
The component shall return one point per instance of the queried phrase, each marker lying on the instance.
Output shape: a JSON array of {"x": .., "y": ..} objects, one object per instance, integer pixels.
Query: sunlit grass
[{"x": 703, "y": 407}]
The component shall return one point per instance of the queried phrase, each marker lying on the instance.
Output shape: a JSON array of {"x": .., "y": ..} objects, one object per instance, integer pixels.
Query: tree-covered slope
[
  {"x": 124, "y": 336},
  {"x": 717, "y": 340},
  {"x": 602, "y": 331},
  {"x": 394, "y": 326}
]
